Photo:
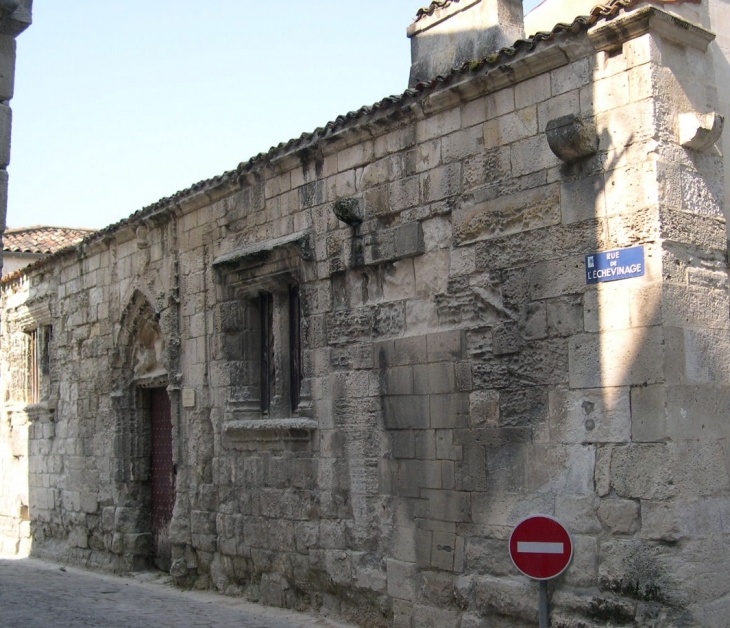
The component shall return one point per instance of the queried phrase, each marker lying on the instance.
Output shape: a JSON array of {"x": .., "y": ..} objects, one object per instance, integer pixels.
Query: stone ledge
[
  {"x": 43, "y": 411},
  {"x": 261, "y": 250},
  {"x": 269, "y": 429}
]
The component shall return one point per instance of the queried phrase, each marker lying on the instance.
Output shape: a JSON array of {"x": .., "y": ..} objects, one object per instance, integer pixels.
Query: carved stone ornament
[
  {"x": 571, "y": 138},
  {"x": 141, "y": 233},
  {"x": 148, "y": 351}
]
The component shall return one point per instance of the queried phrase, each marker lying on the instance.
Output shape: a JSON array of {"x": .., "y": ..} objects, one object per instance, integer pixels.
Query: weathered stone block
[
  {"x": 561, "y": 469},
  {"x": 610, "y": 359},
  {"x": 402, "y": 579},
  {"x": 523, "y": 406},
  {"x": 484, "y": 408},
  {"x": 432, "y": 273},
  {"x": 435, "y": 378},
  {"x": 486, "y": 168},
  {"x": 407, "y": 412},
  {"x": 506, "y": 339},
  {"x": 643, "y": 471},
  {"x": 516, "y": 125},
  {"x": 512, "y": 598},
  {"x": 532, "y": 154},
  {"x": 515, "y": 213},
  {"x": 590, "y": 415},
  {"x": 649, "y": 413},
  {"x": 409, "y": 240},
  {"x": 584, "y": 566},
  {"x": 638, "y": 569},
  {"x": 449, "y": 410},
  {"x": 463, "y": 376},
  {"x": 444, "y": 346},
  {"x": 403, "y": 444},
  {"x": 705, "y": 354},
  {"x": 448, "y": 505},
  {"x": 619, "y": 516},
  {"x": 398, "y": 381},
  {"x": 564, "y": 316},
  {"x": 445, "y": 446},
  {"x": 701, "y": 468},
  {"x": 430, "y": 617},
  {"x": 557, "y": 278},
  {"x": 470, "y": 473},
  {"x": 7, "y": 67},
  {"x": 441, "y": 182},
  {"x": 425, "y": 443},
  {"x": 404, "y": 193},
  {"x": 462, "y": 144}
]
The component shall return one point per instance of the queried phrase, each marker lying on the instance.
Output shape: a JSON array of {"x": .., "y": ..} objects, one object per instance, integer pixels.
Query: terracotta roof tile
[{"x": 41, "y": 239}]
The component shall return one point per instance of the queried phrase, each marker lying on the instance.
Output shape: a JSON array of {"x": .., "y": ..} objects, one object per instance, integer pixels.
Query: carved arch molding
[{"x": 140, "y": 361}]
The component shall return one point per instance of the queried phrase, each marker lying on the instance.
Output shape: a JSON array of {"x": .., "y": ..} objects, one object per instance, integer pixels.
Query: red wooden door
[{"x": 163, "y": 477}]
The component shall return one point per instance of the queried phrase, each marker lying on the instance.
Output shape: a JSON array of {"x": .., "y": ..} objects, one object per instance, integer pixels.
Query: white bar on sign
[{"x": 539, "y": 548}]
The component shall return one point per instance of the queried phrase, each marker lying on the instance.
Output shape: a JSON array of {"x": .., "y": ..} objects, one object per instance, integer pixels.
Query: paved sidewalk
[{"x": 39, "y": 594}]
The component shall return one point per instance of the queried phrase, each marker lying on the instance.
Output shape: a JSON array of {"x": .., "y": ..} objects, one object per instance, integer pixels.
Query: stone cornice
[{"x": 611, "y": 35}]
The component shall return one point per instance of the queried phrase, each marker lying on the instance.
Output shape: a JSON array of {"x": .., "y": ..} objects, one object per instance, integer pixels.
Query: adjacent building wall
[
  {"x": 15, "y": 16},
  {"x": 457, "y": 371}
]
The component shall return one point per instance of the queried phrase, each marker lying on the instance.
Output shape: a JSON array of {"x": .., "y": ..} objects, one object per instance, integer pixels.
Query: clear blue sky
[{"x": 120, "y": 103}]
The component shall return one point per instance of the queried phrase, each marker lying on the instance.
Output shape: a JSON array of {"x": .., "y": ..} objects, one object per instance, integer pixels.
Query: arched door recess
[{"x": 143, "y": 464}]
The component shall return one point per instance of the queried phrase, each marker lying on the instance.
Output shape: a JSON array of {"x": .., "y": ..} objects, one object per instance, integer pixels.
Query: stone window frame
[
  {"x": 35, "y": 322},
  {"x": 270, "y": 308},
  {"x": 38, "y": 359},
  {"x": 274, "y": 267}
]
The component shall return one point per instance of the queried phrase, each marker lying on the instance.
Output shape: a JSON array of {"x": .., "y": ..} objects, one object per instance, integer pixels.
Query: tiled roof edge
[
  {"x": 420, "y": 90},
  {"x": 36, "y": 238},
  {"x": 432, "y": 8}
]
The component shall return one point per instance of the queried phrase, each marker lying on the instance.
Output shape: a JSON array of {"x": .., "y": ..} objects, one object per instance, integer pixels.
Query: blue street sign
[{"x": 615, "y": 265}]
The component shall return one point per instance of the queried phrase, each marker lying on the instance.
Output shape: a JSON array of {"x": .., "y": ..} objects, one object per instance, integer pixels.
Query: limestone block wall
[
  {"x": 14, "y": 519},
  {"x": 14, "y": 533},
  {"x": 455, "y": 371}
]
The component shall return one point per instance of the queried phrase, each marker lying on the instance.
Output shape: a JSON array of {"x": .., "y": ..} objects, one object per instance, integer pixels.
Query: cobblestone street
[{"x": 36, "y": 594}]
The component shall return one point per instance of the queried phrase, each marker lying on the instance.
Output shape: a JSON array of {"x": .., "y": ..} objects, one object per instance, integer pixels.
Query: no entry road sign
[{"x": 540, "y": 547}]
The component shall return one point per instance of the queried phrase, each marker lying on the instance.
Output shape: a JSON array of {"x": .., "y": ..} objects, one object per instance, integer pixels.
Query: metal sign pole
[{"x": 543, "y": 606}]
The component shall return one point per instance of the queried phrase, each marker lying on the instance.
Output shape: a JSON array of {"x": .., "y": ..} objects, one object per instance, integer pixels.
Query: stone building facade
[{"x": 338, "y": 375}]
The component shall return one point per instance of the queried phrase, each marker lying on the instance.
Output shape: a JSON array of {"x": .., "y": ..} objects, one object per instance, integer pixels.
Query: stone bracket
[
  {"x": 348, "y": 210},
  {"x": 700, "y": 131},
  {"x": 571, "y": 137},
  {"x": 390, "y": 245}
]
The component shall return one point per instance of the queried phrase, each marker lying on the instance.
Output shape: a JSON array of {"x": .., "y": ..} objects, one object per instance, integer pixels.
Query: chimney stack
[{"x": 452, "y": 32}]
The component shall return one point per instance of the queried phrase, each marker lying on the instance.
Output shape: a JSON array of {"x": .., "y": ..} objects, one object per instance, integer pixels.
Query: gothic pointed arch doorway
[{"x": 144, "y": 448}]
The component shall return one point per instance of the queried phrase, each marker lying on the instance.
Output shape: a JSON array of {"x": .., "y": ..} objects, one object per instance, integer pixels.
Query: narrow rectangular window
[
  {"x": 295, "y": 351},
  {"x": 268, "y": 364},
  {"x": 33, "y": 386},
  {"x": 44, "y": 352}
]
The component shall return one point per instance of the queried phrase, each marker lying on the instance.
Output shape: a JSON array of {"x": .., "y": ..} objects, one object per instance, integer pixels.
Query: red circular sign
[{"x": 540, "y": 547}]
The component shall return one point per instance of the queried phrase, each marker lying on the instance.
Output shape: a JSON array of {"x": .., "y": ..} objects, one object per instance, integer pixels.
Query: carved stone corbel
[
  {"x": 571, "y": 137},
  {"x": 700, "y": 131}
]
